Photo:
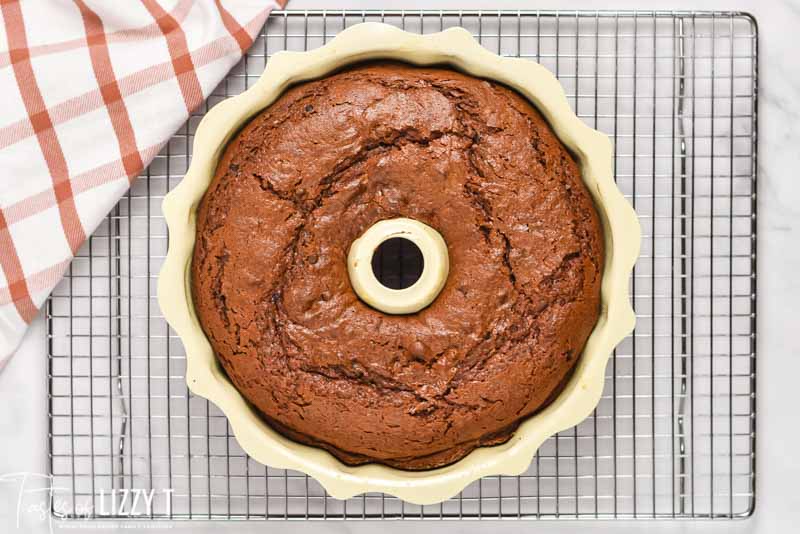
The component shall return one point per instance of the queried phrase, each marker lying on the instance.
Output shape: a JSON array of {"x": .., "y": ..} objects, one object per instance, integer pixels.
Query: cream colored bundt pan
[{"x": 456, "y": 48}]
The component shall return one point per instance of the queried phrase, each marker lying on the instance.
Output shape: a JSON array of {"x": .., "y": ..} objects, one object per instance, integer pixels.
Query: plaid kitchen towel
[{"x": 90, "y": 90}]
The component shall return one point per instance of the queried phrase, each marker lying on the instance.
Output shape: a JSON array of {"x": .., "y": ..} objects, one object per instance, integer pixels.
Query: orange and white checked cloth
[{"x": 90, "y": 90}]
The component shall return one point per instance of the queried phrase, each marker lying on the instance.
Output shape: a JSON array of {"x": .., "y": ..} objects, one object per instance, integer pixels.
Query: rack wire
[{"x": 674, "y": 433}]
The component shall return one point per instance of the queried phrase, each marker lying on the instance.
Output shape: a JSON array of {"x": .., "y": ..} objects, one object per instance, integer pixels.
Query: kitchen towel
[{"x": 90, "y": 91}]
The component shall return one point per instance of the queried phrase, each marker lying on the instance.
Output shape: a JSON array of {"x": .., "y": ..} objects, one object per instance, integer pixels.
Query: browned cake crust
[{"x": 312, "y": 172}]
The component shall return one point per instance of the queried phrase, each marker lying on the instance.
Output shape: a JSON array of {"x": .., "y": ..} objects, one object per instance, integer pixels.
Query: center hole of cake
[{"x": 397, "y": 263}]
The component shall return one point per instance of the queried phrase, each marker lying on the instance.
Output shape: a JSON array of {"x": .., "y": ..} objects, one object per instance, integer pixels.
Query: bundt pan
[{"x": 456, "y": 48}]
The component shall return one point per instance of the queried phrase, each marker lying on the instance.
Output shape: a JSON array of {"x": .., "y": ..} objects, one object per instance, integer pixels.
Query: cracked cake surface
[{"x": 308, "y": 175}]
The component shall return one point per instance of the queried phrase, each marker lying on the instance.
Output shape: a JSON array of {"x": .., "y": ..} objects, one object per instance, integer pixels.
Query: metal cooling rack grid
[{"x": 674, "y": 434}]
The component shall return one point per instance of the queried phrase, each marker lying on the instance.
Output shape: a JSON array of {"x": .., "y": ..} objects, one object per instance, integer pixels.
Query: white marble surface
[{"x": 23, "y": 421}]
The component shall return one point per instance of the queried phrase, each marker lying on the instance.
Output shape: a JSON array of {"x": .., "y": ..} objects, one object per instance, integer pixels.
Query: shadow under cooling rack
[{"x": 674, "y": 433}]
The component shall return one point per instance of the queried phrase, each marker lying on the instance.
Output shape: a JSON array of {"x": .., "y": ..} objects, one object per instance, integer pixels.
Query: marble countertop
[{"x": 23, "y": 420}]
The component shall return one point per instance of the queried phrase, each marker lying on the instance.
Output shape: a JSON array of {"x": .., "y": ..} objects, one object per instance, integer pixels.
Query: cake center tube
[{"x": 398, "y": 266}]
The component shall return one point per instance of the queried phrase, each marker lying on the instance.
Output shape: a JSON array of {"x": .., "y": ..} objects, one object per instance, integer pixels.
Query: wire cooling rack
[{"x": 674, "y": 433}]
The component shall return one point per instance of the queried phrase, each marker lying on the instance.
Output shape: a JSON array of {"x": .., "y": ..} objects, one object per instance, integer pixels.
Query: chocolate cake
[{"x": 308, "y": 175}]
